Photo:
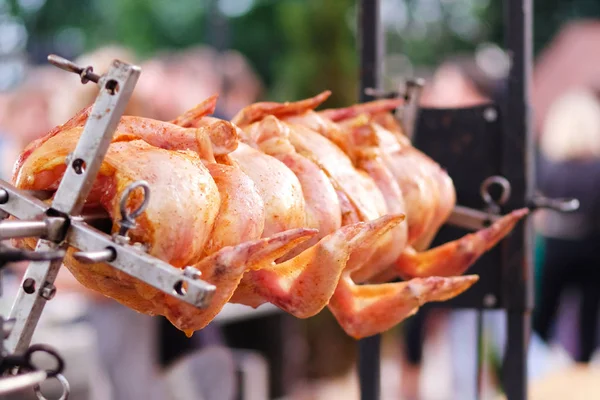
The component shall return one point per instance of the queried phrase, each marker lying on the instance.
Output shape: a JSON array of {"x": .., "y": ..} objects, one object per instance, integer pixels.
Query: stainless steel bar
[
  {"x": 22, "y": 229},
  {"x": 22, "y": 205},
  {"x": 140, "y": 265},
  {"x": 37, "y": 287},
  {"x": 82, "y": 168}
]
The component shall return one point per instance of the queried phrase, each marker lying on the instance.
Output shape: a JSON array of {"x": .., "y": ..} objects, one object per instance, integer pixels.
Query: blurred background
[{"x": 250, "y": 50}]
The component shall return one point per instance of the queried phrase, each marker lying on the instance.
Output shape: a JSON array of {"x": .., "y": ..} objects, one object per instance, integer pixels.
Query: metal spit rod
[{"x": 23, "y": 229}]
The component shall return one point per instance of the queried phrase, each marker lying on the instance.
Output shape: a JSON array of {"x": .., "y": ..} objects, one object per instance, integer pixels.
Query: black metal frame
[
  {"x": 506, "y": 271},
  {"x": 370, "y": 47}
]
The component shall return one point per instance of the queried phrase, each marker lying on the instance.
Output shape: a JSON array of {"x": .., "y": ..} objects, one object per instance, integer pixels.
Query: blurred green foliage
[{"x": 298, "y": 47}]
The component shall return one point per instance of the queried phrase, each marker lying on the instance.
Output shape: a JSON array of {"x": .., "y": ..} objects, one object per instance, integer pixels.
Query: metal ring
[
  {"x": 130, "y": 217},
  {"x": 60, "y": 364},
  {"x": 485, "y": 190},
  {"x": 65, "y": 386}
]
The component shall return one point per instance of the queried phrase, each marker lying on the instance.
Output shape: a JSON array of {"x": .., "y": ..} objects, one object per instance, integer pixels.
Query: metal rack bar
[
  {"x": 370, "y": 47},
  {"x": 518, "y": 168},
  {"x": 515, "y": 164}
]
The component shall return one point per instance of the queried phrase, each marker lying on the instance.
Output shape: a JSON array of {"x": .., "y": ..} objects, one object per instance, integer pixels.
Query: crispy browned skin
[{"x": 288, "y": 206}]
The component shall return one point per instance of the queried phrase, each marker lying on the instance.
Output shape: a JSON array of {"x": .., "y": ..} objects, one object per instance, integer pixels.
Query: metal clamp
[{"x": 75, "y": 185}]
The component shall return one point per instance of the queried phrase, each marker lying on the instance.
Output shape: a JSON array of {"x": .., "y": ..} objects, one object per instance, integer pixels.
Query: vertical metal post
[
  {"x": 370, "y": 47},
  {"x": 517, "y": 167}
]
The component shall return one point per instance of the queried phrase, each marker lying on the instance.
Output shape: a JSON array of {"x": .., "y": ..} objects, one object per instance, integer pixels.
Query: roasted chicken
[{"x": 283, "y": 204}]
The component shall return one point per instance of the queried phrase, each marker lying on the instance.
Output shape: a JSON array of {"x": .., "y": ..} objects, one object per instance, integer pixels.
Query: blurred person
[
  {"x": 569, "y": 166},
  {"x": 177, "y": 81},
  {"x": 241, "y": 85},
  {"x": 452, "y": 86}
]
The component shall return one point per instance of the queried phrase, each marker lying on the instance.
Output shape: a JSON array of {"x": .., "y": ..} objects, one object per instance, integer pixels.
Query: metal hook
[
  {"x": 126, "y": 223},
  {"x": 128, "y": 219},
  {"x": 87, "y": 74},
  {"x": 494, "y": 205},
  {"x": 65, "y": 386},
  {"x": 60, "y": 364},
  {"x": 24, "y": 361}
]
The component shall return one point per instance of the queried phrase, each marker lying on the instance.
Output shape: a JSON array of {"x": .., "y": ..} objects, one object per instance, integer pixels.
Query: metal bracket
[
  {"x": 468, "y": 218},
  {"x": 83, "y": 165}
]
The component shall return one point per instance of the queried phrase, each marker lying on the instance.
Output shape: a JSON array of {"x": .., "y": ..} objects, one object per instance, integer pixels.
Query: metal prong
[
  {"x": 93, "y": 257},
  {"x": 381, "y": 94},
  {"x": 44, "y": 255},
  {"x": 86, "y": 74},
  {"x": 471, "y": 219},
  {"x": 561, "y": 205}
]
